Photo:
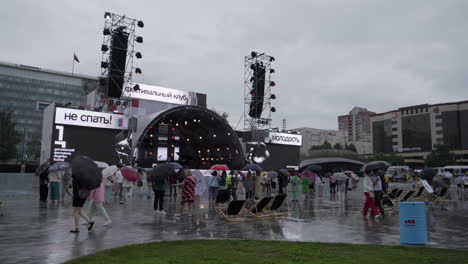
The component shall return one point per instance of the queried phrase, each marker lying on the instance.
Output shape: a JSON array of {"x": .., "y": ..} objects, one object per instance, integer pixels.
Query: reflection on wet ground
[{"x": 32, "y": 232}]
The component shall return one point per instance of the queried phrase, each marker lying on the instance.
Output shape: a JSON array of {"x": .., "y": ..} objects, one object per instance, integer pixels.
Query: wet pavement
[{"x": 34, "y": 232}]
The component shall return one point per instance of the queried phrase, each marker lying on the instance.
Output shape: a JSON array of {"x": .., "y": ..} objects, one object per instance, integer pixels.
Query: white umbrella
[
  {"x": 109, "y": 171},
  {"x": 101, "y": 164}
]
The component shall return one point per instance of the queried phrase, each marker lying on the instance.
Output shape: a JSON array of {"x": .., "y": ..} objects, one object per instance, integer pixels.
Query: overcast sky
[{"x": 330, "y": 55}]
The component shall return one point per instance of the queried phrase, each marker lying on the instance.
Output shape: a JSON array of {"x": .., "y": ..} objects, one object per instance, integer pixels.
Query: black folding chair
[
  {"x": 277, "y": 202},
  {"x": 258, "y": 208},
  {"x": 222, "y": 198},
  {"x": 397, "y": 194},
  {"x": 392, "y": 193},
  {"x": 407, "y": 196},
  {"x": 233, "y": 209}
]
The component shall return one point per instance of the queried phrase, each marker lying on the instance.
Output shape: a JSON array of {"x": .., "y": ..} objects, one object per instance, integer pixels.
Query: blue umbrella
[
  {"x": 176, "y": 165},
  {"x": 60, "y": 166},
  {"x": 252, "y": 167}
]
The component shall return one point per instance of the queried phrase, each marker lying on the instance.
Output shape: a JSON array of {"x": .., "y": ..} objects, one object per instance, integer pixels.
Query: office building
[
  {"x": 315, "y": 137},
  {"x": 413, "y": 131},
  {"x": 29, "y": 90}
]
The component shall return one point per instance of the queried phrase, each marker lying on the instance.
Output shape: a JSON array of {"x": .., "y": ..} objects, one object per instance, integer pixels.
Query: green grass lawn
[{"x": 274, "y": 252}]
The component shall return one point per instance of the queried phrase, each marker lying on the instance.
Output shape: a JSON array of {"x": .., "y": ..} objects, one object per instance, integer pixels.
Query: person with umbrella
[
  {"x": 188, "y": 192},
  {"x": 231, "y": 184},
  {"x": 129, "y": 177},
  {"x": 296, "y": 184},
  {"x": 86, "y": 176},
  {"x": 43, "y": 173},
  {"x": 96, "y": 199},
  {"x": 249, "y": 186},
  {"x": 55, "y": 177},
  {"x": 369, "y": 195}
]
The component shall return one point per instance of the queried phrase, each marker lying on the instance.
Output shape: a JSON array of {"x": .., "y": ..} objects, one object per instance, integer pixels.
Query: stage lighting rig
[
  {"x": 118, "y": 53},
  {"x": 272, "y": 84}
]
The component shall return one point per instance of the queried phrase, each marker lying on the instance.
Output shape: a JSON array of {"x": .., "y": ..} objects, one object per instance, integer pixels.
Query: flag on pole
[{"x": 75, "y": 58}]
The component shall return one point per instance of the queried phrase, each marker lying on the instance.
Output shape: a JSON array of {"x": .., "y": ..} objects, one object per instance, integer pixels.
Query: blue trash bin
[{"x": 413, "y": 227}]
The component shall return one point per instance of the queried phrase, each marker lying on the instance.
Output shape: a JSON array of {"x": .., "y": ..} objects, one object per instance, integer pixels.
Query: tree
[
  {"x": 325, "y": 145},
  {"x": 440, "y": 157},
  {"x": 9, "y": 137},
  {"x": 392, "y": 158},
  {"x": 337, "y": 146},
  {"x": 224, "y": 115},
  {"x": 351, "y": 147},
  {"x": 34, "y": 147}
]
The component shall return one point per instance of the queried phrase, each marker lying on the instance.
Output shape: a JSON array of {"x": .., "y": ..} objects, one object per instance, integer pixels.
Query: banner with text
[
  {"x": 284, "y": 139},
  {"x": 161, "y": 94},
  {"x": 77, "y": 117}
]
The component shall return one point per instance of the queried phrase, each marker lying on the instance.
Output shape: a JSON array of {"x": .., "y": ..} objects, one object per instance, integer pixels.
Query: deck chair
[
  {"x": 257, "y": 209},
  {"x": 397, "y": 194},
  {"x": 221, "y": 199},
  {"x": 277, "y": 202},
  {"x": 407, "y": 196},
  {"x": 419, "y": 195},
  {"x": 392, "y": 193},
  {"x": 2, "y": 203},
  {"x": 232, "y": 210}
]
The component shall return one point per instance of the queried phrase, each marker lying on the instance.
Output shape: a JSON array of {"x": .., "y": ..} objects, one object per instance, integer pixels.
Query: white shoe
[
  {"x": 109, "y": 222},
  {"x": 162, "y": 212},
  {"x": 177, "y": 215}
]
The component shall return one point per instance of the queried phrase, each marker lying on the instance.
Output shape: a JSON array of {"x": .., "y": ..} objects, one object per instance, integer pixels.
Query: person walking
[
  {"x": 213, "y": 183},
  {"x": 296, "y": 184},
  {"x": 95, "y": 200},
  {"x": 257, "y": 185},
  {"x": 43, "y": 185},
  {"x": 320, "y": 184},
  {"x": 77, "y": 205},
  {"x": 126, "y": 189},
  {"x": 66, "y": 183},
  {"x": 172, "y": 188},
  {"x": 188, "y": 192},
  {"x": 249, "y": 186},
  {"x": 54, "y": 185},
  {"x": 108, "y": 183},
  {"x": 378, "y": 191},
  {"x": 159, "y": 188},
  {"x": 369, "y": 195}
]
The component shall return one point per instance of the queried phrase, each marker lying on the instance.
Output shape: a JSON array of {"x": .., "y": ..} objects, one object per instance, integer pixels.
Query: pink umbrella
[
  {"x": 308, "y": 174},
  {"x": 129, "y": 174},
  {"x": 219, "y": 167}
]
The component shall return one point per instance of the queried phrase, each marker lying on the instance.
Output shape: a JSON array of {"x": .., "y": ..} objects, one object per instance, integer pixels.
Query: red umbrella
[
  {"x": 219, "y": 167},
  {"x": 129, "y": 174}
]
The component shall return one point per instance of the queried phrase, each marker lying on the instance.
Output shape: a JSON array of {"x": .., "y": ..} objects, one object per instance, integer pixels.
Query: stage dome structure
[
  {"x": 193, "y": 136},
  {"x": 331, "y": 163}
]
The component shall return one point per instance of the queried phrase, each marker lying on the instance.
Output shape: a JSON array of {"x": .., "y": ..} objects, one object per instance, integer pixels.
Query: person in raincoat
[
  {"x": 95, "y": 200},
  {"x": 305, "y": 181},
  {"x": 296, "y": 184}
]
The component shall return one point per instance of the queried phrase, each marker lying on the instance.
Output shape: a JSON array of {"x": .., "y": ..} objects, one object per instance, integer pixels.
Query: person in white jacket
[{"x": 369, "y": 194}]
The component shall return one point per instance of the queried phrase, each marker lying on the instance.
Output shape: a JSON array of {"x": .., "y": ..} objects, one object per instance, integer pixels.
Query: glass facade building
[
  {"x": 416, "y": 132},
  {"x": 382, "y": 136},
  {"x": 29, "y": 90}
]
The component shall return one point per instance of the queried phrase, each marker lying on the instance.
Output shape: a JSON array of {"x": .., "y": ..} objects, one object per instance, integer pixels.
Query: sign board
[
  {"x": 75, "y": 117},
  {"x": 161, "y": 94},
  {"x": 427, "y": 186},
  {"x": 284, "y": 139}
]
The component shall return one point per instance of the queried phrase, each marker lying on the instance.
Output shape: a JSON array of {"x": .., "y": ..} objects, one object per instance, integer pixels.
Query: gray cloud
[{"x": 331, "y": 55}]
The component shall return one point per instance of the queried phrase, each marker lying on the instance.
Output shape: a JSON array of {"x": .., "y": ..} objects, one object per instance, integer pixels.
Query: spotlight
[
  {"x": 208, "y": 150},
  {"x": 272, "y": 58},
  {"x": 107, "y": 15},
  {"x": 141, "y": 24},
  {"x": 117, "y": 103},
  {"x": 229, "y": 135},
  {"x": 111, "y": 102},
  {"x": 188, "y": 139},
  {"x": 104, "y": 64},
  {"x": 139, "y": 39},
  {"x": 272, "y": 70},
  {"x": 273, "y": 96},
  {"x": 201, "y": 137},
  {"x": 125, "y": 103},
  {"x": 273, "y": 109},
  {"x": 272, "y": 84},
  {"x": 214, "y": 135},
  {"x": 136, "y": 87},
  {"x": 186, "y": 122},
  {"x": 106, "y": 32},
  {"x": 137, "y": 71},
  {"x": 253, "y": 54},
  {"x": 104, "y": 48},
  {"x": 138, "y": 55},
  {"x": 252, "y": 79}
]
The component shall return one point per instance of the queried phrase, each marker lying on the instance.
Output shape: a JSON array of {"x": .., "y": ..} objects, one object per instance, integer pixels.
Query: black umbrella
[
  {"x": 86, "y": 173},
  {"x": 314, "y": 168},
  {"x": 162, "y": 172},
  {"x": 375, "y": 165},
  {"x": 43, "y": 168},
  {"x": 284, "y": 175},
  {"x": 428, "y": 174}
]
